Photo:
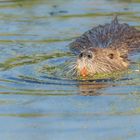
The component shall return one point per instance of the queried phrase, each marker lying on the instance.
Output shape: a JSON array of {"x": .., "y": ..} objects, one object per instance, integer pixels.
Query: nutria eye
[{"x": 111, "y": 55}]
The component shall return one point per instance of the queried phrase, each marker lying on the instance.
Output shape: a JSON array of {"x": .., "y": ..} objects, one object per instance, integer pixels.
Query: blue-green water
[{"x": 36, "y": 101}]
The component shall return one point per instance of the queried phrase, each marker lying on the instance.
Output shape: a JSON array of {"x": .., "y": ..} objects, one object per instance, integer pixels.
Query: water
[{"x": 37, "y": 101}]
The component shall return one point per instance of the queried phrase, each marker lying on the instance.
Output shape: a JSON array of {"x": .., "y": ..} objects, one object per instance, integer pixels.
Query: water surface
[{"x": 37, "y": 101}]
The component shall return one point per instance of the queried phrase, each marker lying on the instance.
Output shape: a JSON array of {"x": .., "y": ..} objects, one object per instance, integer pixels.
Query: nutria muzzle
[{"x": 84, "y": 62}]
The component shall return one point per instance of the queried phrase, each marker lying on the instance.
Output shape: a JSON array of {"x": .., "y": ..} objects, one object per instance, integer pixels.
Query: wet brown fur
[{"x": 109, "y": 44}]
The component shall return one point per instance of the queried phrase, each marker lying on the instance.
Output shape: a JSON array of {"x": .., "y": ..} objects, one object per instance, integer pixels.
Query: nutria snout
[{"x": 105, "y": 49}]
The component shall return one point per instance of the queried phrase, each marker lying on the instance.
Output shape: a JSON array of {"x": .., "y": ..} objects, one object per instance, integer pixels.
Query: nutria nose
[{"x": 87, "y": 54}]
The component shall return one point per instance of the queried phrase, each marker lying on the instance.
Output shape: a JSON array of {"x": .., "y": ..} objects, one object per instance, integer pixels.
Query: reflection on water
[{"x": 39, "y": 99}]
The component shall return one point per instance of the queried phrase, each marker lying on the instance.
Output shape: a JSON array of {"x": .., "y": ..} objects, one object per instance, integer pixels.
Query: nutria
[{"x": 105, "y": 49}]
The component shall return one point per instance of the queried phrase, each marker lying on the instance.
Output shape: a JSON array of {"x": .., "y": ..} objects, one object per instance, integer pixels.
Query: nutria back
[{"x": 109, "y": 35}]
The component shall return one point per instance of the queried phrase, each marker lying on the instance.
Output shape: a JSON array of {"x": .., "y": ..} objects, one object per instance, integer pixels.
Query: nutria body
[{"x": 105, "y": 49}]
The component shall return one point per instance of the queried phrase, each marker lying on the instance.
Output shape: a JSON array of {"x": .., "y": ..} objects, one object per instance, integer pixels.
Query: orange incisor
[{"x": 84, "y": 72}]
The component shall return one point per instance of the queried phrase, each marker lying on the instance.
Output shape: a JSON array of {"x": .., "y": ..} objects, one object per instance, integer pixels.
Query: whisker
[{"x": 72, "y": 69}]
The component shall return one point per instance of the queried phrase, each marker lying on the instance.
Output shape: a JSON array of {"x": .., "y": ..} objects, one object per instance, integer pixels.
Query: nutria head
[
  {"x": 104, "y": 49},
  {"x": 100, "y": 60}
]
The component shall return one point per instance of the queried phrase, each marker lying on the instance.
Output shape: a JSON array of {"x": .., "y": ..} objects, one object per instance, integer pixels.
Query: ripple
[
  {"x": 37, "y": 75},
  {"x": 25, "y": 60}
]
